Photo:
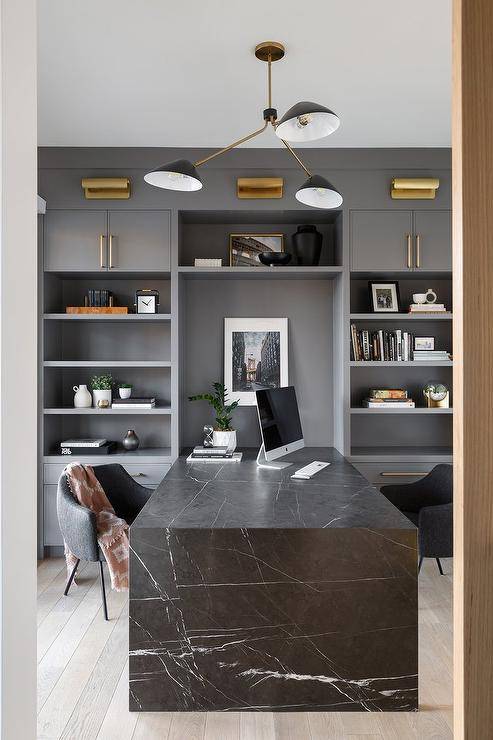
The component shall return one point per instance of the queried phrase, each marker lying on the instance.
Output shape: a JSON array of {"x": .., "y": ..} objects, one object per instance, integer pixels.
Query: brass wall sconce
[
  {"x": 414, "y": 188},
  {"x": 259, "y": 187},
  {"x": 106, "y": 188}
]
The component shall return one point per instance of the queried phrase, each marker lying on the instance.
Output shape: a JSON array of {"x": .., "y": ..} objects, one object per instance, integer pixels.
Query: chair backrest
[
  {"x": 77, "y": 524},
  {"x": 440, "y": 480}
]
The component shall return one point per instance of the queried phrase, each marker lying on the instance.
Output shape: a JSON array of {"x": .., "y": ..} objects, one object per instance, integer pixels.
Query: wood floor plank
[
  {"x": 291, "y": 725},
  {"x": 63, "y": 699},
  {"x": 90, "y": 710},
  {"x": 189, "y": 725},
  {"x": 325, "y": 725},
  {"x": 48, "y": 570},
  {"x": 257, "y": 726},
  {"x": 224, "y": 725},
  {"x": 119, "y": 723},
  {"x": 51, "y": 595},
  {"x": 153, "y": 725}
]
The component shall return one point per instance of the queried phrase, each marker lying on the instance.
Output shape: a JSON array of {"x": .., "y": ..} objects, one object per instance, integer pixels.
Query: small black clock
[{"x": 146, "y": 301}]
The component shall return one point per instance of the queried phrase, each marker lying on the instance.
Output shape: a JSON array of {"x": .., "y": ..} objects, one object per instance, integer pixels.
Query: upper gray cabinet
[
  {"x": 401, "y": 241},
  {"x": 75, "y": 240},
  {"x": 433, "y": 240},
  {"x": 381, "y": 241},
  {"x": 139, "y": 240},
  {"x": 103, "y": 241}
]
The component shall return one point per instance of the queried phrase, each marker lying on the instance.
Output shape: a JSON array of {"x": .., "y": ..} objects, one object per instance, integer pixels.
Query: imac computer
[{"x": 280, "y": 425}]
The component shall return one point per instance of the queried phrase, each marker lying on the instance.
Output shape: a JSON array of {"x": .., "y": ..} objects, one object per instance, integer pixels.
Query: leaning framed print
[
  {"x": 244, "y": 249},
  {"x": 255, "y": 357},
  {"x": 384, "y": 297}
]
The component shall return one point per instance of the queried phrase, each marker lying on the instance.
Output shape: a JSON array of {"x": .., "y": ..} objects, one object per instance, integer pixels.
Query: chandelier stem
[
  {"x": 291, "y": 150},
  {"x": 269, "y": 80},
  {"x": 231, "y": 146}
]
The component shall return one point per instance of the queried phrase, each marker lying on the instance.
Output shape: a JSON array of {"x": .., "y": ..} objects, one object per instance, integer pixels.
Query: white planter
[
  {"x": 225, "y": 439},
  {"x": 82, "y": 398},
  {"x": 125, "y": 392},
  {"x": 101, "y": 396}
]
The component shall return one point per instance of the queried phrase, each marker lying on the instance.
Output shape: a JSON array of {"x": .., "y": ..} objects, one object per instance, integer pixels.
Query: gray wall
[{"x": 307, "y": 304}]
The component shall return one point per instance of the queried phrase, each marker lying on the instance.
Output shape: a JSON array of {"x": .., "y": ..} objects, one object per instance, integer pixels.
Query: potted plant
[
  {"x": 224, "y": 435},
  {"x": 101, "y": 386},
  {"x": 125, "y": 390}
]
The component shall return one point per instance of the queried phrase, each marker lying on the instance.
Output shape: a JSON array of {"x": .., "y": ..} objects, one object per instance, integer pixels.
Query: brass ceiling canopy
[
  {"x": 305, "y": 121},
  {"x": 272, "y": 50}
]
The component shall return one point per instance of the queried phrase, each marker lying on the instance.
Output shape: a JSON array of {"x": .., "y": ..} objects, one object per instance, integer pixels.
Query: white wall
[{"x": 18, "y": 384}]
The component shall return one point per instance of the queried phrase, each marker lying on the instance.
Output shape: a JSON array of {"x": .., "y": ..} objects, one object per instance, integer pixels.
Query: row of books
[
  {"x": 425, "y": 355},
  {"x": 427, "y": 308},
  {"x": 133, "y": 403},
  {"x": 99, "y": 298},
  {"x": 214, "y": 454},
  {"x": 75, "y": 447},
  {"x": 381, "y": 345}
]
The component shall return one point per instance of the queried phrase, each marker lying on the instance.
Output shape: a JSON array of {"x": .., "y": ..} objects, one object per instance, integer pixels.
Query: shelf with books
[{"x": 403, "y": 410}]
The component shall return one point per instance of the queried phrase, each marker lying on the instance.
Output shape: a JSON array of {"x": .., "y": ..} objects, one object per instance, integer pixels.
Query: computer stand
[{"x": 262, "y": 462}]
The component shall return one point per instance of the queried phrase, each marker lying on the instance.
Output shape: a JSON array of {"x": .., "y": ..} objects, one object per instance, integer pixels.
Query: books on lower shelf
[
  {"x": 133, "y": 403},
  {"x": 381, "y": 345},
  {"x": 229, "y": 457},
  {"x": 208, "y": 262},
  {"x": 388, "y": 398},
  {"x": 83, "y": 443},
  {"x": 436, "y": 355},
  {"x": 77, "y": 450}
]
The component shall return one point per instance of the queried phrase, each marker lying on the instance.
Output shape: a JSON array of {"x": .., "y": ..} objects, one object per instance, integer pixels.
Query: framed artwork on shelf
[
  {"x": 255, "y": 357},
  {"x": 244, "y": 249},
  {"x": 384, "y": 297},
  {"x": 424, "y": 343}
]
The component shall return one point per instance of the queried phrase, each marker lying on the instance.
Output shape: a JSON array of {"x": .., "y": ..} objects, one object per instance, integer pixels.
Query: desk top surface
[{"x": 242, "y": 495}]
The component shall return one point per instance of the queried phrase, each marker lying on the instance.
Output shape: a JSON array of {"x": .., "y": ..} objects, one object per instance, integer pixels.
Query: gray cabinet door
[
  {"x": 433, "y": 240},
  {"x": 75, "y": 240},
  {"x": 139, "y": 240},
  {"x": 52, "y": 535},
  {"x": 380, "y": 240}
]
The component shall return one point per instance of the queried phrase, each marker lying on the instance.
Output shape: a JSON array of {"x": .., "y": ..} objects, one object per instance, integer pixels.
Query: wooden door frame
[{"x": 472, "y": 173}]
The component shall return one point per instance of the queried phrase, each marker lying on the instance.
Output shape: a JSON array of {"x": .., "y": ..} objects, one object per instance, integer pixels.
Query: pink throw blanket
[{"x": 112, "y": 531}]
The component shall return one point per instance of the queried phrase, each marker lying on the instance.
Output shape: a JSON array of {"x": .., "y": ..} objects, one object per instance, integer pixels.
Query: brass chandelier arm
[
  {"x": 291, "y": 150},
  {"x": 232, "y": 146}
]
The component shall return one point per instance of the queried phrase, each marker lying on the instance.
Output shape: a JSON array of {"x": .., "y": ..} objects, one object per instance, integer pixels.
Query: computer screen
[{"x": 279, "y": 420}]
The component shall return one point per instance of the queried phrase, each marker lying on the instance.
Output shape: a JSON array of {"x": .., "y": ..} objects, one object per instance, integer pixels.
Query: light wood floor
[{"x": 83, "y": 672}]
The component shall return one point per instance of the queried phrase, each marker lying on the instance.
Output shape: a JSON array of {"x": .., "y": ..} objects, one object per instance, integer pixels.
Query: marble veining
[{"x": 268, "y": 603}]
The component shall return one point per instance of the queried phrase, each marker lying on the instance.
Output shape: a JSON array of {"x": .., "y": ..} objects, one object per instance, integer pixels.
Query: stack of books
[
  {"x": 133, "y": 403},
  {"x": 213, "y": 454},
  {"x": 388, "y": 398},
  {"x": 427, "y": 308},
  {"x": 78, "y": 447},
  {"x": 208, "y": 262},
  {"x": 381, "y": 345},
  {"x": 425, "y": 355}
]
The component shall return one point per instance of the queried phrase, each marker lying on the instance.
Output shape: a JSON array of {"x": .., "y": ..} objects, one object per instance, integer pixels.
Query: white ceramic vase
[
  {"x": 98, "y": 396},
  {"x": 225, "y": 439},
  {"x": 125, "y": 392},
  {"x": 82, "y": 397}
]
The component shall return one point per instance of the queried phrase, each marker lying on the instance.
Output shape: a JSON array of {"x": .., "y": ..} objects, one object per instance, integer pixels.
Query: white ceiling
[{"x": 182, "y": 72}]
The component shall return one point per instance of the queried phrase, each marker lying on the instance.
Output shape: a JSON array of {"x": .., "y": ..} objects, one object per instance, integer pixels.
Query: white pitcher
[{"x": 82, "y": 398}]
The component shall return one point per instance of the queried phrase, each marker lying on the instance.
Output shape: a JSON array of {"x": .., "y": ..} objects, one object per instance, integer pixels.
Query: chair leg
[
  {"x": 439, "y": 566},
  {"x": 71, "y": 578},
  {"x": 420, "y": 563},
  {"x": 103, "y": 591}
]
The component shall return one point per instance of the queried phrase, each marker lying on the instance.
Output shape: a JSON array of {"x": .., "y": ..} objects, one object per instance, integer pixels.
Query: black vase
[
  {"x": 130, "y": 441},
  {"x": 307, "y": 245}
]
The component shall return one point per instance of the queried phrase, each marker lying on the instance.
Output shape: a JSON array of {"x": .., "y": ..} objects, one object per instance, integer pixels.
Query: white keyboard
[{"x": 310, "y": 470}]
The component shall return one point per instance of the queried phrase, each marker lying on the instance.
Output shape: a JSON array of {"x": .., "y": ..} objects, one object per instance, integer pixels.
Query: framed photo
[
  {"x": 422, "y": 343},
  {"x": 255, "y": 357},
  {"x": 384, "y": 297},
  {"x": 244, "y": 249}
]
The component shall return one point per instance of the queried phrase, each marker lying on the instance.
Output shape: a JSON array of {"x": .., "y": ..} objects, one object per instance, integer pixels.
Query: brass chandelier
[{"x": 305, "y": 121}]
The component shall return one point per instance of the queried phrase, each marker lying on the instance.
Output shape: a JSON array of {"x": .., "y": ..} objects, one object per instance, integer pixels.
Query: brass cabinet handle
[
  {"x": 386, "y": 474},
  {"x": 111, "y": 251},
  {"x": 409, "y": 251},
  {"x": 101, "y": 250},
  {"x": 418, "y": 250}
]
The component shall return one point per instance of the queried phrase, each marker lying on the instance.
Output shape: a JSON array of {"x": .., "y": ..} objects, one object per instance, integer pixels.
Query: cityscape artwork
[{"x": 255, "y": 356}]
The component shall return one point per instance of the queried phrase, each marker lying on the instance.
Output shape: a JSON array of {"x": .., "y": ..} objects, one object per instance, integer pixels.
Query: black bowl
[{"x": 271, "y": 259}]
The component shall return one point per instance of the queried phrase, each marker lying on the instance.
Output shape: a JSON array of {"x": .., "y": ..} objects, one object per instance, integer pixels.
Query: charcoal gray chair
[
  {"x": 428, "y": 504},
  {"x": 78, "y": 524}
]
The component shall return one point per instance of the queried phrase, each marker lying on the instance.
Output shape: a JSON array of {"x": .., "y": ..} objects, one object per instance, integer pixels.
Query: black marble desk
[{"x": 251, "y": 591}]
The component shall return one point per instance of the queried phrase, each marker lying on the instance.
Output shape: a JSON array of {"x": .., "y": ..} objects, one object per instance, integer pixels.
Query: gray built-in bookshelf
[{"x": 155, "y": 237}]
